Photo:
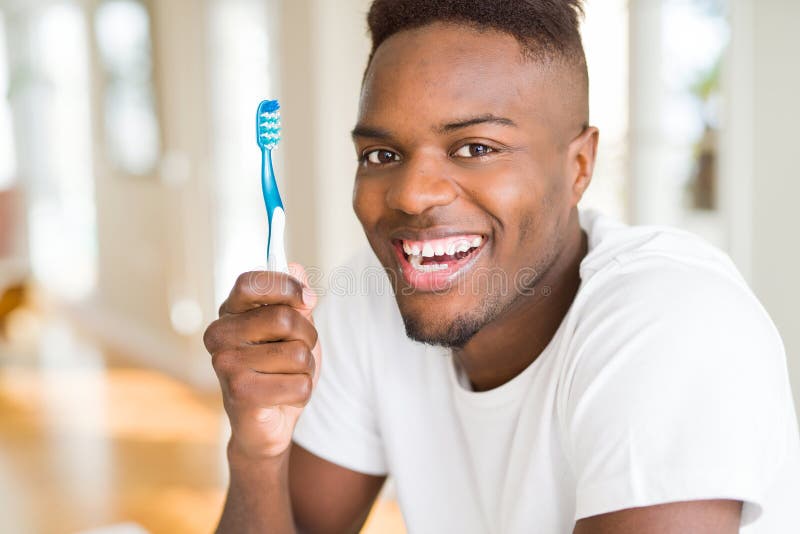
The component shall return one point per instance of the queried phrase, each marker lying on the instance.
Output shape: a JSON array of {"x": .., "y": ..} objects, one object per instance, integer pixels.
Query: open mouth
[{"x": 433, "y": 263}]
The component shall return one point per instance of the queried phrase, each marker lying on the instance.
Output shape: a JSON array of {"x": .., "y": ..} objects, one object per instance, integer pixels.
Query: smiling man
[{"x": 519, "y": 365}]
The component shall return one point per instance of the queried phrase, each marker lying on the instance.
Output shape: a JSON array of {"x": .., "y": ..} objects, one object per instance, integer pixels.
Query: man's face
[{"x": 463, "y": 187}]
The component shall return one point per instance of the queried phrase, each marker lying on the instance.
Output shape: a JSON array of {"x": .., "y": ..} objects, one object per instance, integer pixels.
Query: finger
[
  {"x": 276, "y": 322},
  {"x": 249, "y": 388},
  {"x": 257, "y": 288},
  {"x": 286, "y": 357}
]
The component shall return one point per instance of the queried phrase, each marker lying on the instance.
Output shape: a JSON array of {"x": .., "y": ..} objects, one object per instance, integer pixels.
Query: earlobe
[{"x": 583, "y": 152}]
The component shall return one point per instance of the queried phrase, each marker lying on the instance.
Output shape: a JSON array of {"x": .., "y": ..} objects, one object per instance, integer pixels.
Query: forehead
[{"x": 441, "y": 70}]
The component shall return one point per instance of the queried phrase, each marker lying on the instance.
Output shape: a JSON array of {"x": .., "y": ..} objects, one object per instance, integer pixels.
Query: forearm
[{"x": 258, "y": 497}]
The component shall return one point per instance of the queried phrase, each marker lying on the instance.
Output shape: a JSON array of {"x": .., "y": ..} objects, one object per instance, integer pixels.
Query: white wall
[
  {"x": 761, "y": 180},
  {"x": 775, "y": 243}
]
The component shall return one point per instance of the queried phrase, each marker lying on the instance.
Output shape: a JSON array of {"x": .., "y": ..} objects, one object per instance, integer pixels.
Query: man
[{"x": 535, "y": 368}]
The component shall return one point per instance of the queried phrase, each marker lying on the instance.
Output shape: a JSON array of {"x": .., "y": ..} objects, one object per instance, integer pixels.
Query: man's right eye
[{"x": 380, "y": 157}]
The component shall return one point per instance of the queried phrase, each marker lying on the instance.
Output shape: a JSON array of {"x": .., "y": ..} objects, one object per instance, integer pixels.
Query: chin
[{"x": 431, "y": 324}]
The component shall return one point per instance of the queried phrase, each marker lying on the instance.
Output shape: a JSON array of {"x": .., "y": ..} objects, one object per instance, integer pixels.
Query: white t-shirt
[{"x": 666, "y": 381}]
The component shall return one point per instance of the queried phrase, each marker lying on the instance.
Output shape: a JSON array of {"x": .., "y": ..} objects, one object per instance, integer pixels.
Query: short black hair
[{"x": 547, "y": 30}]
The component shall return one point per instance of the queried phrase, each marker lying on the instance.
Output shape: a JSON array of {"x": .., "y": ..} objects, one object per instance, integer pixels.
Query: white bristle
[{"x": 271, "y": 122}]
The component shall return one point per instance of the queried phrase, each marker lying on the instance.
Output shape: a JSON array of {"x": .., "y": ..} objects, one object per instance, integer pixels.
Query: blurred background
[{"x": 129, "y": 202}]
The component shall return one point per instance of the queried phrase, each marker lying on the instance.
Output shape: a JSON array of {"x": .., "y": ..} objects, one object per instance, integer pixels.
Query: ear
[{"x": 581, "y": 155}]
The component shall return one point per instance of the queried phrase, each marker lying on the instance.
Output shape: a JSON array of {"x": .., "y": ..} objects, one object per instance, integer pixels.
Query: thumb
[{"x": 310, "y": 296}]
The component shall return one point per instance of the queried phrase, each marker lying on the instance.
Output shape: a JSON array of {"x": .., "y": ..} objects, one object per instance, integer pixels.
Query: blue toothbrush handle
[{"x": 276, "y": 217}]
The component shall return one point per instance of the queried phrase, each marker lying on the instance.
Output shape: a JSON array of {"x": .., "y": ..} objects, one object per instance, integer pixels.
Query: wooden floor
[{"x": 88, "y": 442}]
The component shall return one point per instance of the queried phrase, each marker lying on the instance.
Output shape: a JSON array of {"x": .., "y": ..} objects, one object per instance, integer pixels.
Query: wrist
[
  {"x": 240, "y": 458},
  {"x": 258, "y": 494}
]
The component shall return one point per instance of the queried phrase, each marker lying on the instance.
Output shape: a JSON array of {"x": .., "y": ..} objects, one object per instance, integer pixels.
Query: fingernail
[{"x": 308, "y": 295}]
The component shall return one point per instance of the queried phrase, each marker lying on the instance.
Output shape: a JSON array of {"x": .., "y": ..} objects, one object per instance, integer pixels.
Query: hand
[{"x": 265, "y": 352}]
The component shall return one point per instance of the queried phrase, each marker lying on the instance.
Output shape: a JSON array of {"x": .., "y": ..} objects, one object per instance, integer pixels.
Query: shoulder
[
  {"x": 664, "y": 312},
  {"x": 668, "y": 279},
  {"x": 665, "y": 277},
  {"x": 614, "y": 245},
  {"x": 674, "y": 377}
]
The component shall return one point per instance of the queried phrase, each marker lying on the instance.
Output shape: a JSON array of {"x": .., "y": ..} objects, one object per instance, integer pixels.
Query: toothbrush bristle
[{"x": 269, "y": 124}]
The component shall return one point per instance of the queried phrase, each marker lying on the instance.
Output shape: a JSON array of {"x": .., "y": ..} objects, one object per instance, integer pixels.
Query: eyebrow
[
  {"x": 472, "y": 121},
  {"x": 363, "y": 130}
]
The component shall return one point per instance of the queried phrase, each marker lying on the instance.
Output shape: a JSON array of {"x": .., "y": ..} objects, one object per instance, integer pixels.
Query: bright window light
[
  {"x": 122, "y": 29},
  {"x": 605, "y": 38}
]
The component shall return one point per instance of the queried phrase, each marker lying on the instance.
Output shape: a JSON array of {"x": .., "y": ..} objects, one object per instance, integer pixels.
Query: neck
[{"x": 508, "y": 345}]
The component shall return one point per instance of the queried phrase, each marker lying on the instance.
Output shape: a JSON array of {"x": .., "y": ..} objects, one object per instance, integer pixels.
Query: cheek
[
  {"x": 367, "y": 200},
  {"x": 514, "y": 197},
  {"x": 510, "y": 195}
]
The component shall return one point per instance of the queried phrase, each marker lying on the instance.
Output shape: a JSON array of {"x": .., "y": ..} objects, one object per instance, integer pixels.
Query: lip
[{"x": 435, "y": 281}]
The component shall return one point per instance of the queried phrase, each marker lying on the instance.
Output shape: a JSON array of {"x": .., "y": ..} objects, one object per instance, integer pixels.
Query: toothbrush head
[{"x": 268, "y": 124}]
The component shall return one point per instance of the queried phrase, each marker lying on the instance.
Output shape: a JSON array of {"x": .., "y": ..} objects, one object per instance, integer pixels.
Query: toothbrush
[{"x": 268, "y": 135}]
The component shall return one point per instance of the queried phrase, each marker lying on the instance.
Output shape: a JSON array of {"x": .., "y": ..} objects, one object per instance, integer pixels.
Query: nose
[{"x": 420, "y": 186}]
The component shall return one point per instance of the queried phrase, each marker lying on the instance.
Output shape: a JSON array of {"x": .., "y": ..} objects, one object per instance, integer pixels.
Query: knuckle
[
  {"x": 243, "y": 280},
  {"x": 302, "y": 356},
  {"x": 239, "y": 386},
  {"x": 305, "y": 388},
  {"x": 211, "y": 337},
  {"x": 224, "y": 361},
  {"x": 284, "y": 319}
]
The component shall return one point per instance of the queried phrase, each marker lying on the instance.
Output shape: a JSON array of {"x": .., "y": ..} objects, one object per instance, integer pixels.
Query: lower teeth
[{"x": 416, "y": 263}]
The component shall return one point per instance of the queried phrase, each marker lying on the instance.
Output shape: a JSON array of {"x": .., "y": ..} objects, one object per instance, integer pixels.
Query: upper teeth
[{"x": 440, "y": 247}]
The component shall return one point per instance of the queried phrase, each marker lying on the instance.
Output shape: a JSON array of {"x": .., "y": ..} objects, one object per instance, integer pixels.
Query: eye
[
  {"x": 473, "y": 150},
  {"x": 380, "y": 157}
]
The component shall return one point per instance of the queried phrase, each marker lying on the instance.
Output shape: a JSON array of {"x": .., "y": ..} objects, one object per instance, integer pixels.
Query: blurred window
[
  {"x": 691, "y": 69},
  {"x": 7, "y": 161},
  {"x": 122, "y": 30},
  {"x": 52, "y": 93},
  {"x": 677, "y": 52}
]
